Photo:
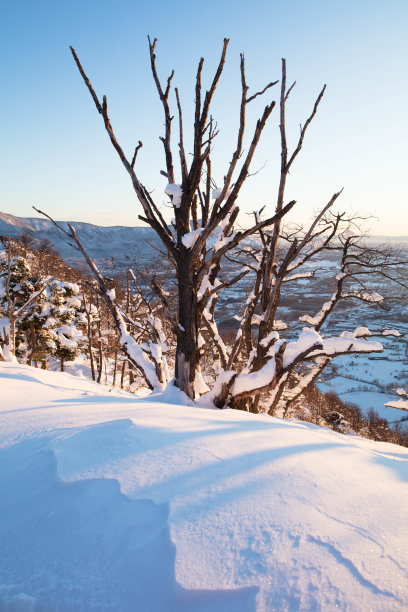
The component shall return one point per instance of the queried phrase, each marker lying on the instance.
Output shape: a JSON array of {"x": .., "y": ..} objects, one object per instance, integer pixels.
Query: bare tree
[
  {"x": 199, "y": 210},
  {"x": 203, "y": 235},
  {"x": 260, "y": 361}
]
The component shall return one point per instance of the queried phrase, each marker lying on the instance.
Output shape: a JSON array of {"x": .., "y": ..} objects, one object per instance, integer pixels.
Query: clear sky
[{"x": 55, "y": 153}]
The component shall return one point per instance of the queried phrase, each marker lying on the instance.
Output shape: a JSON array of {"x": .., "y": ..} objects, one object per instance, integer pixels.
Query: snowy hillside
[
  {"x": 108, "y": 502},
  {"x": 102, "y": 243}
]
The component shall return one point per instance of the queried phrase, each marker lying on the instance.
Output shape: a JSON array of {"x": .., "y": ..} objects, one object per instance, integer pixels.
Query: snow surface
[
  {"x": 110, "y": 502},
  {"x": 364, "y": 380}
]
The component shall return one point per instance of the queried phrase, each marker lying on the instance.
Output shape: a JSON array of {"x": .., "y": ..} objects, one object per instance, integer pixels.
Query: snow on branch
[
  {"x": 326, "y": 308},
  {"x": 373, "y": 298},
  {"x": 216, "y": 194},
  {"x": 282, "y": 357},
  {"x": 398, "y": 404},
  {"x": 174, "y": 192},
  {"x": 248, "y": 383},
  {"x": 294, "y": 277},
  {"x": 190, "y": 238},
  {"x": 308, "y": 339},
  {"x": 134, "y": 352},
  {"x": 391, "y": 332},
  {"x": 344, "y": 344},
  {"x": 401, "y": 404}
]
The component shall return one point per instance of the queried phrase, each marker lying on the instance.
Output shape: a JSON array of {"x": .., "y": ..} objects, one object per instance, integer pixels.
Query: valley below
[{"x": 367, "y": 380}]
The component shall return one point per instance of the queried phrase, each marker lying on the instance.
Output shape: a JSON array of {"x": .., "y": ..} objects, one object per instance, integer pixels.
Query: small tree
[
  {"x": 19, "y": 291},
  {"x": 62, "y": 321}
]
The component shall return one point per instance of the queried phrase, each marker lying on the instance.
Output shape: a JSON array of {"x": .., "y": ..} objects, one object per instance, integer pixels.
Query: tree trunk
[
  {"x": 32, "y": 344},
  {"x": 122, "y": 377},
  {"x": 91, "y": 357},
  {"x": 187, "y": 334},
  {"x": 100, "y": 364},
  {"x": 115, "y": 368},
  {"x": 12, "y": 334}
]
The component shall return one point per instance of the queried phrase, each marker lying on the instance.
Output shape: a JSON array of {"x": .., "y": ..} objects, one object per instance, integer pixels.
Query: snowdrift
[{"x": 110, "y": 502}]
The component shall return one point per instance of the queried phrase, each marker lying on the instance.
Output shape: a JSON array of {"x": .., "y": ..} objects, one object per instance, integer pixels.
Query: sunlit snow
[{"x": 111, "y": 502}]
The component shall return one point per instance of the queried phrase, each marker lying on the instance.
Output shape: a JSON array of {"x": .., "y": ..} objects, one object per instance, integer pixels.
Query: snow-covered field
[
  {"x": 368, "y": 382},
  {"x": 108, "y": 502}
]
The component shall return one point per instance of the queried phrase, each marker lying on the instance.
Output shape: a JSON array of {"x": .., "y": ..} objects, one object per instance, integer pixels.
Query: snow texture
[
  {"x": 110, "y": 502},
  {"x": 336, "y": 346}
]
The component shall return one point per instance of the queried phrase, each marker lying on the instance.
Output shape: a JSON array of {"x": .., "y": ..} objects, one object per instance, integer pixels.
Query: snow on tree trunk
[{"x": 6, "y": 344}]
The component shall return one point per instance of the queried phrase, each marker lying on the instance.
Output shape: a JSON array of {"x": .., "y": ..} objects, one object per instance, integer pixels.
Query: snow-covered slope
[{"x": 108, "y": 502}]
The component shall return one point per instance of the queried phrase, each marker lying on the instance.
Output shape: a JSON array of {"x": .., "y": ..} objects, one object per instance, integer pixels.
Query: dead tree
[
  {"x": 199, "y": 210},
  {"x": 259, "y": 361}
]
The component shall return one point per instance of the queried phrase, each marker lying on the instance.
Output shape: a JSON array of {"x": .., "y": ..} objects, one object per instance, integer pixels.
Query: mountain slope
[
  {"x": 102, "y": 243},
  {"x": 112, "y": 502}
]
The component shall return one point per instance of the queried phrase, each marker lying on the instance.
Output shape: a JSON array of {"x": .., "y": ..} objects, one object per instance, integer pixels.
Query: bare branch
[
  {"x": 289, "y": 90},
  {"x": 209, "y": 94},
  {"x": 260, "y": 93},
  {"x": 183, "y": 162},
  {"x": 139, "y": 363},
  {"x": 150, "y": 217},
  {"x": 87, "y": 81},
  {"x": 168, "y": 118},
  {"x": 304, "y": 128},
  {"x": 139, "y": 146}
]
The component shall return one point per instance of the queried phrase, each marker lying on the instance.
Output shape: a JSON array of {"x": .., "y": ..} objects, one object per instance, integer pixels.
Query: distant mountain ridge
[{"x": 121, "y": 243}]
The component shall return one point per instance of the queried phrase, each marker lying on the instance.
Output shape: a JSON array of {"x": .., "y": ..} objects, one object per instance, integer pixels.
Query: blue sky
[{"x": 56, "y": 155}]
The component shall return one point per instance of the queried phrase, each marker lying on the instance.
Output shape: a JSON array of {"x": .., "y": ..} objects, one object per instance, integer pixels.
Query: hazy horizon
[{"x": 146, "y": 226}]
